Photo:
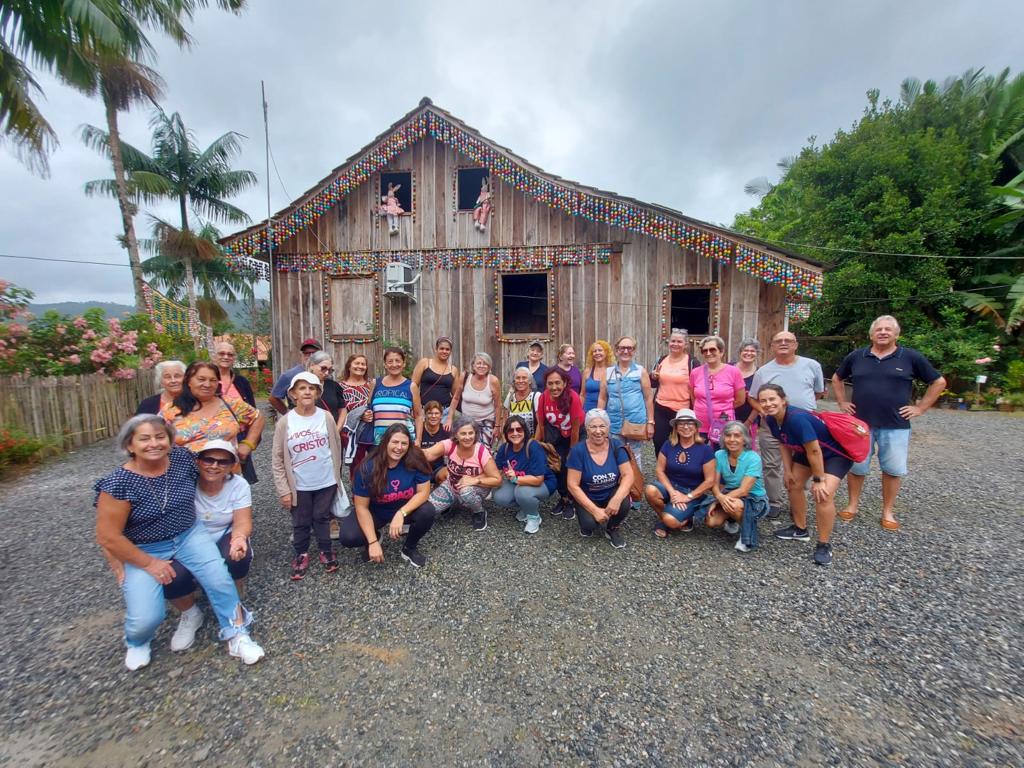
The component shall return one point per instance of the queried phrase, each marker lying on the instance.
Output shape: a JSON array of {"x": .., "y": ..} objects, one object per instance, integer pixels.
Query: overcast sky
[{"x": 675, "y": 103}]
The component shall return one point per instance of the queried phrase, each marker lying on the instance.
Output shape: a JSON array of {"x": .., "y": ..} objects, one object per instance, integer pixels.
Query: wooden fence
[{"x": 74, "y": 410}]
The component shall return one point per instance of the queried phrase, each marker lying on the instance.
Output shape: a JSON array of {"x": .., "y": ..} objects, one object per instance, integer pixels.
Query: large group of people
[{"x": 734, "y": 443}]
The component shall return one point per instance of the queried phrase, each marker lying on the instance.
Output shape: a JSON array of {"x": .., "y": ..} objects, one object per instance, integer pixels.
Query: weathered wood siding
[{"x": 595, "y": 301}]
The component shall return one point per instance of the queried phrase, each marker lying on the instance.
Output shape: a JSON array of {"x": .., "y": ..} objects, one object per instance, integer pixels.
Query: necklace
[{"x": 150, "y": 483}]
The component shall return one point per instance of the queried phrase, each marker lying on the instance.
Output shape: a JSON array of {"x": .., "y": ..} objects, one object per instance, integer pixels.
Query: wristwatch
[{"x": 816, "y": 479}]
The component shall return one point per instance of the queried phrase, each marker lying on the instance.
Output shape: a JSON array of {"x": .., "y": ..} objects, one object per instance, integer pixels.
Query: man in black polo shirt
[{"x": 883, "y": 379}]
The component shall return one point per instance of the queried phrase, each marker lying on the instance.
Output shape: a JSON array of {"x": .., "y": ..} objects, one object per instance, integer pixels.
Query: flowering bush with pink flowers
[{"x": 58, "y": 345}]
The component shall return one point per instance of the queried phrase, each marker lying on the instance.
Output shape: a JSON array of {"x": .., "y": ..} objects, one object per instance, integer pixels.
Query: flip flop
[
  {"x": 845, "y": 516},
  {"x": 890, "y": 525}
]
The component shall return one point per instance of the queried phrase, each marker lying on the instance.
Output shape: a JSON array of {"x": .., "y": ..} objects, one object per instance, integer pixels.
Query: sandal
[
  {"x": 846, "y": 516},
  {"x": 890, "y": 525},
  {"x": 661, "y": 531}
]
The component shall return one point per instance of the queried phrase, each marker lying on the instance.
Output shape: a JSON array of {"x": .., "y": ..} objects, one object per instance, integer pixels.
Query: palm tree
[
  {"x": 216, "y": 279},
  {"x": 122, "y": 83}
]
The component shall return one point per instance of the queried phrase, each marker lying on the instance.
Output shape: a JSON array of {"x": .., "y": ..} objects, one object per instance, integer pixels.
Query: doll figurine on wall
[
  {"x": 482, "y": 208},
  {"x": 391, "y": 208}
]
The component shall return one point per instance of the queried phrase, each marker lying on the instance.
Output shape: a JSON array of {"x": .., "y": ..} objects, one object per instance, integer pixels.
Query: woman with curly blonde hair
[{"x": 599, "y": 357}]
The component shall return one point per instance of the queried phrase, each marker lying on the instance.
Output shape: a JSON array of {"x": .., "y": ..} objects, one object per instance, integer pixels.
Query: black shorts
[{"x": 838, "y": 466}]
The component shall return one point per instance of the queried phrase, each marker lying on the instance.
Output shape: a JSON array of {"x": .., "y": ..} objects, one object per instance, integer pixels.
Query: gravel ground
[{"x": 552, "y": 649}]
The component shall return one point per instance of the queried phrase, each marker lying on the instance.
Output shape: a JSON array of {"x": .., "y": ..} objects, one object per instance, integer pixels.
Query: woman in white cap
[
  {"x": 685, "y": 472},
  {"x": 224, "y": 508},
  {"x": 307, "y": 471}
]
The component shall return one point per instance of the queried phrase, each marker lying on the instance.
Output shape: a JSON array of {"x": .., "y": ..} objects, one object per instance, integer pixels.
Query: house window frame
[
  {"x": 382, "y": 188},
  {"x": 499, "y": 296},
  {"x": 714, "y": 308},
  {"x": 455, "y": 188},
  {"x": 354, "y": 338}
]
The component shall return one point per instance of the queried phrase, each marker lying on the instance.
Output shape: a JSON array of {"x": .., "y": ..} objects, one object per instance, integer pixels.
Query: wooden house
[{"x": 558, "y": 261}]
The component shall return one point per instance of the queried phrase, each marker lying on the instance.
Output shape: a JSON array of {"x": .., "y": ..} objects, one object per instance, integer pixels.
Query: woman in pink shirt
[{"x": 716, "y": 389}]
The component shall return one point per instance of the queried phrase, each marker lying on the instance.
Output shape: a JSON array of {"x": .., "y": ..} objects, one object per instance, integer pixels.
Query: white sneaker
[
  {"x": 189, "y": 623},
  {"x": 532, "y": 525},
  {"x": 741, "y": 547},
  {"x": 138, "y": 656},
  {"x": 245, "y": 648},
  {"x": 731, "y": 527}
]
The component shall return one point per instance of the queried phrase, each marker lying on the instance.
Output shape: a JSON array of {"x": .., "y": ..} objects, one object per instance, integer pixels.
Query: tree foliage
[{"x": 893, "y": 203}]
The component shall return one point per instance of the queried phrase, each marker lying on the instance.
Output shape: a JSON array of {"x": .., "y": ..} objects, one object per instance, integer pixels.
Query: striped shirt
[{"x": 392, "y": 405}]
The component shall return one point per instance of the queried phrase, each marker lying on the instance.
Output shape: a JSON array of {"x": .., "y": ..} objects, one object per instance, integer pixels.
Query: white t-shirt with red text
[{"x": 310, "y": 451}]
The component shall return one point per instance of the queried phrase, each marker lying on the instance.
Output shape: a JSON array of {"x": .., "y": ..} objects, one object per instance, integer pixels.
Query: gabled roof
[{"x": 799, "y": 275}]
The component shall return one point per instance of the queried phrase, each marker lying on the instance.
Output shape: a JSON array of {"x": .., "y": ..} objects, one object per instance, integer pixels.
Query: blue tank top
[{"x": 591, "y": 389}]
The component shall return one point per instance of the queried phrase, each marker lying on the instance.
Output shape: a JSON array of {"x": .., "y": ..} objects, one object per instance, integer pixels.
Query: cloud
[{"x": 675, "y": 103}]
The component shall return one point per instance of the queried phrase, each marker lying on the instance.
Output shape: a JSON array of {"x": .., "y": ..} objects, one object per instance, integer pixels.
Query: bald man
[{"x": 804, "y": 382}]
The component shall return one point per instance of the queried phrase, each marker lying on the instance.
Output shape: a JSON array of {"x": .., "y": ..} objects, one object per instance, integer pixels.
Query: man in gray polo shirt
[{"x": 804, "y": 383}]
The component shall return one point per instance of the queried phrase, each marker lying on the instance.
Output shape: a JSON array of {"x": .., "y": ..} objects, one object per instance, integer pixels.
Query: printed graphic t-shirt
[{"x": 310, "y": 451}]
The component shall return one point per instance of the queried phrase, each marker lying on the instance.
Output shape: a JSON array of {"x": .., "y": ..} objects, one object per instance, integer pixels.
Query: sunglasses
[
  {"x": 327, "y": 368},
  {"x": 210, "y": 461},
  {"x": 709, "y": 350},
  {"x": 515, "y": 430}
]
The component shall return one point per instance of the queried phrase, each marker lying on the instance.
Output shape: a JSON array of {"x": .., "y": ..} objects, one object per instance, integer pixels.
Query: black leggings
[
  {"x": 588, "y": 524},
  {"x": 662, "y": 416},
  {"x": 313, "y": 510},
  {"x": 419, "y": 523}
]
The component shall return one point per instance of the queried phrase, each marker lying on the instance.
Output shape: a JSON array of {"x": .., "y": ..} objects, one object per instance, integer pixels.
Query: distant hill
[
  {"x": 78, "y": 307},
  {"x": 237, "y": 311}
]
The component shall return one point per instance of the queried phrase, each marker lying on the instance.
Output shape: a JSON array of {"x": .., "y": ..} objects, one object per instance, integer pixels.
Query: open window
[
  {"x": 402, "y": 180},
  {"x": 690, "y": 307},
  {"x": 469, "y": 183},
  {"x": 525, "y": 305},
  {"x": 351, "y": 310}
]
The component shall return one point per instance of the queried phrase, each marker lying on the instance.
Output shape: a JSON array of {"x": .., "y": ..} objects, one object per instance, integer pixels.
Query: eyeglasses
[
  {"x": 785, "y": 341},
  {"x": 625, "y": 348},
  {"x": 709, "y": 351},
  {"x": 327, "y": 368},
  {"x": 210, "y": 461}
]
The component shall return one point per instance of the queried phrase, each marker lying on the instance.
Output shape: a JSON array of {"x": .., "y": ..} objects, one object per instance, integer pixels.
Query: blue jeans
[
  {"x": 144, "y": 595},
  {"x": 687, "y": 511},
  {"x": 526, "y": 497},
  {"x": 753, "y": 510}
]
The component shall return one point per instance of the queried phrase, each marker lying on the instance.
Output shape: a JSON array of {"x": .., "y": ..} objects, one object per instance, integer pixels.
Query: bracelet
[
  {"x": 247, "y": 443},
  {"x": 371, "y": 543}
]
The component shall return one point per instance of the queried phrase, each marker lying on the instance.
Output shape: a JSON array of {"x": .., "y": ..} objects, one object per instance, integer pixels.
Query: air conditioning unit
[{"x": 399, "y": 281}]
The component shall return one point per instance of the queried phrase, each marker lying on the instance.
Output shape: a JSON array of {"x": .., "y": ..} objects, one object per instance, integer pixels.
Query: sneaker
[
  {"x": 299, "y": 566},
  {"x": 558, "y": 508},
  {"x": 413, "y": 557},
  {"x": 774, "y": 513},
  {"x": 189, "y": 623},
  {"x": 245, "y": 648},
  {"x": 568, "y": 511},
  {"x": 137, "y": 657},
  {"x": 741, "y": 547},
  {"x": 615, "y": 537},
  {"x": 731, "y": 527},
  {"x": 792, "y": 533},
  {"x": 521, "y": 516},
  {"x": 586, "y": 534},
  {"x": 823, "y": 553},
  {"x": 686, "y": 527},
  {"x": 532, "y": 525},
  {"x": 480, "y": 521},
  {"x": 329, "y": 562}
]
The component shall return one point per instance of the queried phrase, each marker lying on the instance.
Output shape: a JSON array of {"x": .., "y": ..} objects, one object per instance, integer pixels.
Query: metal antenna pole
[{"x": 275, "y": 344}]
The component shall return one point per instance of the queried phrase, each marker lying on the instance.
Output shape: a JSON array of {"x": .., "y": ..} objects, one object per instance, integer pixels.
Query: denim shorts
[
  {"x": 682, "y": 514},
  {"x": 893, "y": 447}
]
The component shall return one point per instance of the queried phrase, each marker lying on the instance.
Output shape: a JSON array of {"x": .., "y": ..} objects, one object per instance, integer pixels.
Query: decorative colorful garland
[
  {"x": 666, "y": 307},
  {"x": 799, "y": 282},
  {"x": 798, "y": 311},
  {"x": 552, "y": 304},
  {"x": 376, "y": 308},
  {"x": 515, "y": 259},
  {"x": 176, "y": 319}
]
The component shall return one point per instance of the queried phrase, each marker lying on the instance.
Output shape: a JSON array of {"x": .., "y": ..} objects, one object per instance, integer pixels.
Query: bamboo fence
[{"x": 71, "y": 410}]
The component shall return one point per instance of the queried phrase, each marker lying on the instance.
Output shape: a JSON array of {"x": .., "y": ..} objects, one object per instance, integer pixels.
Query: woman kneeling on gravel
[
  {"x": 224, "y": 507},
  {"x": 391, "y": 489},
  {"x": 599, "y": 479},
  {"x": 685, "y": 472},
  {"x": 740, "y": 497},
  {"x": 472, "y": 473},
  {"x": 527, "y": 478},
  {"x": 807, "y": 454},
  {"x": 145, "y": 518}
]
